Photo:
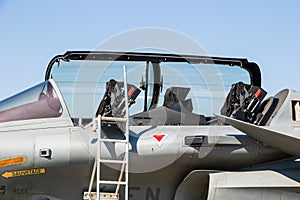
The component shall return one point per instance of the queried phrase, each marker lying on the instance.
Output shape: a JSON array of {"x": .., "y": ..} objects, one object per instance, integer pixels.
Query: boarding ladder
[{"x": 99, "y": 161}]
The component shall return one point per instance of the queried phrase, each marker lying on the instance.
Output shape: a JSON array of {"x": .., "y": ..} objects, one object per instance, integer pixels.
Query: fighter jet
[{"x": 134, "y": 125}]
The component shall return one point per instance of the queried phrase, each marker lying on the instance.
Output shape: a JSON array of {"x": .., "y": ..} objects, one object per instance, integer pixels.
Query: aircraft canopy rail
[{"x": 251, "y": 67}]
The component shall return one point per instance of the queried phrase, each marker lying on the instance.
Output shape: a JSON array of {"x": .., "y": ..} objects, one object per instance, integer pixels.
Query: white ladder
[{"x": 123, "y": 176}]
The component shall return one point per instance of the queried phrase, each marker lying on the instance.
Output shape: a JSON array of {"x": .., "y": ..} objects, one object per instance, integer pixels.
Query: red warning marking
[
  {"x": 258, "y": 93},
  {"x": 131, "y": 91},
  {"x": 158, "y": 137}
]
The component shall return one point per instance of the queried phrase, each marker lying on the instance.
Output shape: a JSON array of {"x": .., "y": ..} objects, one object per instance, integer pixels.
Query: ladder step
[
  {"x": 112, "y": 161},
  {"x": 93, "y": 196},
  {"x": 112, "y": 182},
  {"x": 113, "y": 140},
  {"x": 114, "y": 119}
]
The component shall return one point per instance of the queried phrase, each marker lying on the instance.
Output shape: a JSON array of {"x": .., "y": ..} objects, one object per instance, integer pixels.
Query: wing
[{"x": 284, "y": 142}]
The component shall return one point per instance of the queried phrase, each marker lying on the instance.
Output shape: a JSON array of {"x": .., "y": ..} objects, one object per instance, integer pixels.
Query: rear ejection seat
[{"x": 244, "y": 103}]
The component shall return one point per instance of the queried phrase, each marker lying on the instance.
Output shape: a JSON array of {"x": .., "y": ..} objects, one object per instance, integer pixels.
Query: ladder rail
[
  {"x": 98, "y": 157},
  {"x": 92, "y": 179},
  {"x": 120, "y": 178},
  {"x": 126, "y": 133}
]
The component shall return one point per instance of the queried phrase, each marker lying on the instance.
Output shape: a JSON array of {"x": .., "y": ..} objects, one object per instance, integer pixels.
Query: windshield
[
  {"x": 39, "y": 101},
  {"x": 202, "y": 87}
]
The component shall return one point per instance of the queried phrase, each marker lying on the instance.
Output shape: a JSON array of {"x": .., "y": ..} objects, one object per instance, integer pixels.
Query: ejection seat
[
  {"x": 244, "y": 103},
  {"x": 113, "y": 101}
]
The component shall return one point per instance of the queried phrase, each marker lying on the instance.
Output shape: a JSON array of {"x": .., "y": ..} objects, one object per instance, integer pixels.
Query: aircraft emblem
[{"x": 159, "y": 138}]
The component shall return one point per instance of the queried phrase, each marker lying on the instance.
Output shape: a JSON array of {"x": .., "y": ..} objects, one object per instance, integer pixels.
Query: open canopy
[{"x": 195, "y": 85}]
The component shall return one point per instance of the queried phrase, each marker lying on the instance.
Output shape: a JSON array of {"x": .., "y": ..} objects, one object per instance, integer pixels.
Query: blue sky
[{"x": 32, "y": 32}]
